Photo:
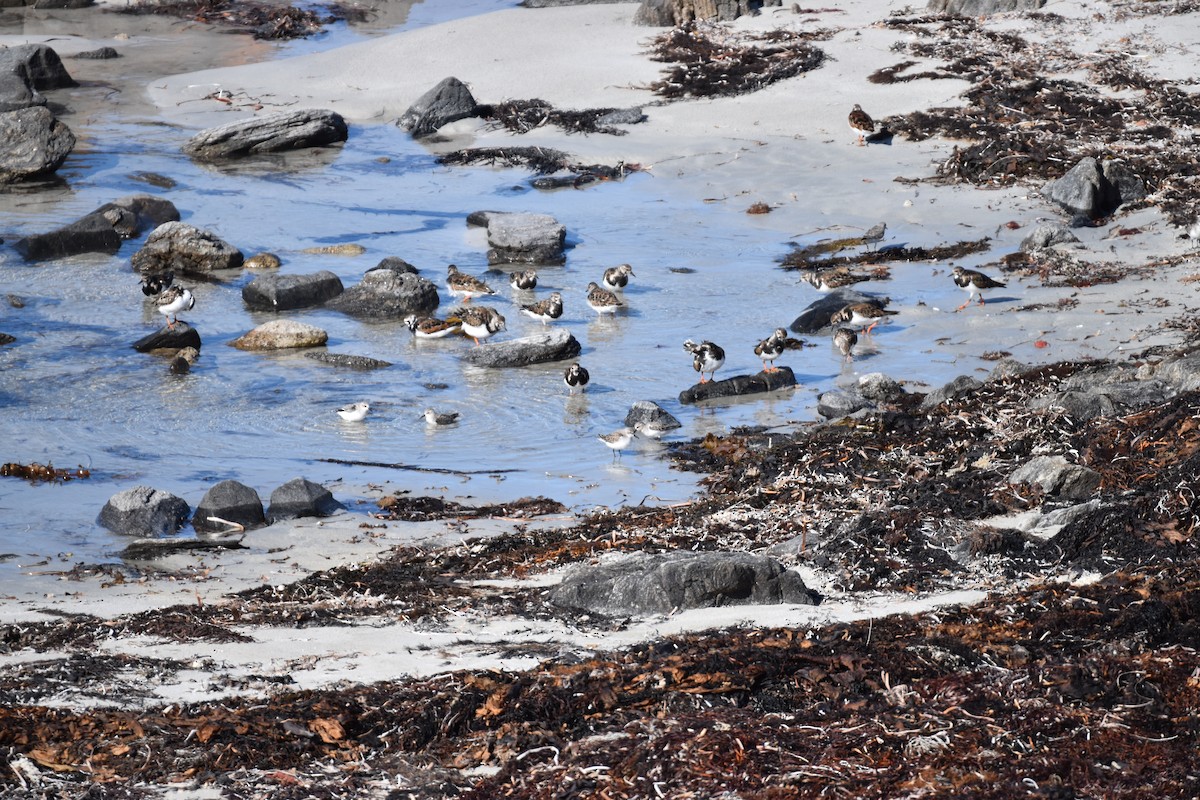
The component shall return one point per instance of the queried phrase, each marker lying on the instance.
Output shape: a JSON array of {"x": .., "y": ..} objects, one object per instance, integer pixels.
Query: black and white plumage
[
  {"x": 356, "y": 412},
  {"x": 523, "y": 280},
  {"x": 774, "y": 346},
  {"x": 826, "y": 280},
  {"x": 844, "y": 339},
  {"x": 545, "y": 310},
  {"x": 975, "y": 283},
  {"x": 602, "y": 301},
  {"x": 173, "y": 300},
  {"x": 576, "y": 377},
  {"x": 432, "y": 327},
  {"x": 154, "y": 283},
  {"x": 617, "y": 278},
  {"x": 861, "y": 124},
  {"x": 618, "y": 440},
  {"x": 706, "y": 357},
  {"x": 478, "y": 322},
  {"x": 436, "y": 419},
  {"x": 465, "y": 286},
  {"x": 862, "y": 315}
]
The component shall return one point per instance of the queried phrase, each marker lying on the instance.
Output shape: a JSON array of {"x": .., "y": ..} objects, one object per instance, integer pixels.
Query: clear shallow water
[{"x": 72, "y": 391}]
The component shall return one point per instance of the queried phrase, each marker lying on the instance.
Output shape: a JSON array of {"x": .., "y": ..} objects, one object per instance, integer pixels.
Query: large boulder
[
  {"x": 36, "y": 143},
  {"x": 38, "y": 65},
  {"x": 556, "y": 344},
  {"x": 669, "y": 13},
  {"x": 979, "y": 8},
  {"x": 16, "y": 93},
  {"x": 739, "y": 385},
  {"x": 283, "y": 130},
  {"x": 1095, "y": 190},
  {"x": 300, "y": 497},
  {"x": 274, "y": 292},
  {"x": 816, "y": 316},
  {"x": 281, "y": 334},
  {"x": 665, "y": 582},
  {"x": 230, "y": 501},
  {"x": 185, "y": 250},
  {"x": 387, "y": 293},
  {"x": 101, "y": 231},
  {"x": 525, "y": 239},
  {"x": 447, "y": 102},
  {"x": 144, "y": 511}
]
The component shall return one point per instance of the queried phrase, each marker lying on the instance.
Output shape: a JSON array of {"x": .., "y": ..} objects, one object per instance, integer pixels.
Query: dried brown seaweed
[{"x": 262, "y": 20}]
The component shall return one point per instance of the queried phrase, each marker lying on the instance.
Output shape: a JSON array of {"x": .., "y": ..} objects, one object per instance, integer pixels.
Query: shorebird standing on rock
[
  {"x": 706, "y": 357},
  {"x": 172, "y": 300}
]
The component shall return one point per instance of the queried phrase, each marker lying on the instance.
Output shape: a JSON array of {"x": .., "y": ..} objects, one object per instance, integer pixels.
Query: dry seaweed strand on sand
[{"x": 263, "y": 20}]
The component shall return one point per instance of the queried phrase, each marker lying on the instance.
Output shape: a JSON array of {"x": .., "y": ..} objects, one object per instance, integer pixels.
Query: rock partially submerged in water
[
  {"x": 174, "y": 338},
  {"x": 229, "y": 502},
  {"x": 556, "y": 344},
  {"x": 185, "y": 250},
  {"x": 36, "y": 143},
  {"x": 300, "y": 497},
  {"x": 447, "y": 102},
  {"x": 647, "y": 412},
  {"x": 740, "y": 385},
  {"x": 816, "y": 317},
  {"x": 101, "y": 231},
  {"x": 525, "y": 239},
  {"x": 347, "y": 360},
  {"x": 144, "y": 511},
  {"x": 274, "y": 292},
  {"x": 387, "y": 293},
  {"x": 281, "y": 334},
  {"x": 665, "y": 582},
  {"x": 284, "y": 130}
]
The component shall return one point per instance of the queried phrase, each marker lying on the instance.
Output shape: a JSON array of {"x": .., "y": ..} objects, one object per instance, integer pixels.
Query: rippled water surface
[{"x": 72, "y": 391}]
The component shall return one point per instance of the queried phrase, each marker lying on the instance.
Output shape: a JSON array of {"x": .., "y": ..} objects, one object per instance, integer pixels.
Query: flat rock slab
[
  {"x": 740, "y": 385},
  {"x": 347, "y": 360},
  {"x": 36, "y": 143},
  {"x": 285, "y": 130},
  {"x": 554, "y": 345},
  {"x": 177, "y": 338},
  {"x": 281, "y": 334},
  {"x": 525, "y": 239},
  {"x": 273, "y": 292}
]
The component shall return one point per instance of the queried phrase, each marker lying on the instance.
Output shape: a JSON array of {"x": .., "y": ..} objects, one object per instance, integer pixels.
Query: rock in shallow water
[
  {"x": 281, "y": 334},
  {"x": 385, "y": 293},
  {"x": 273, "y": 292},
  {"x": 553, "y": 345},
  {"x": 284, "y": 130},
  {"x": 144, "y": 511},
  {"x": 232, "y": 501},
  {"x": 738, "y": 385},
  {"x": 300, "y": 497},
  {"x": 185, "y": 250}
]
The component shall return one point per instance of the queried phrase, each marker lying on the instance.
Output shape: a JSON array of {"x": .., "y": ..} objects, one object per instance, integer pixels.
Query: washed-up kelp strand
[
  {"x": 523, "y": 116},
  {"x": 714, "y": 61},
  {"x": 975, "y": 701},
  {"x": 421, "y": 509},
  {"x": 540, "y": 160},
  {"x": 43, "y": 473},
  {"x": 263, "y": 20},
  {"x": 816, "y": 256}
]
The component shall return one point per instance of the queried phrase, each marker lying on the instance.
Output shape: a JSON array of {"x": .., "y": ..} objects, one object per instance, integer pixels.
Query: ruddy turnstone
[
  {"x": 826, "y": 280},
  {"x": 844, "y": 340},
  {"x": 545, "y": 310},
  {"x": 862, "y": 315},
  {"x": 432, "y": 327},
  {"x": 618, "y": 440},
  {"x": 602, "y": 301},
  {"x": 356, "y": 412},
  {"x": 617, "y": 278},
  {"x": 861, "y": 124},
  {"x": 154, "y": 283},
  {"x": 576, "y": 376},
  {"x": 523, "y": 280},
  {"x": 436, "y": 419},
  {"x": 706, "y": 357},
  {"x": 874, "y": 234},
  {"x": 465, "y": 286},
  {"x": 172, "y": 300},
  {"x": 975, "y": 283},
  {"x": 479, "y": 322},
  {"x": 773, "y": 346}
]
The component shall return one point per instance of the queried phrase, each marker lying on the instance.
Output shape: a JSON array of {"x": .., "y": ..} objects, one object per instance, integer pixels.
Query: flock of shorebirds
[{"x": 606, "y": 297}]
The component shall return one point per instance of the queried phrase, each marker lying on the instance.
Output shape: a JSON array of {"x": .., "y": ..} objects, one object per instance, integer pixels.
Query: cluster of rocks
[
  {"x": 228, "y": 505},
  {"x": 36, "y": 142}
]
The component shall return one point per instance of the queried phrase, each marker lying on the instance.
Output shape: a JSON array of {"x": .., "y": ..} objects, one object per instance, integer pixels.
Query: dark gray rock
[
  {"x": 1076, "y": 405},
  {"x": 387, "y": 294},
  {"x": 1183, "y": 372},
  {"x": 665, "y": 582},
  {"x": 62, "y": 4},
  {"x": 815, "y": 318},
  {"x": 346, "y": 360},
  {"x": 176, "y": 338},
  {"x": 182, "y": 361},
  {"x": 38, "y": 64},
  {"x": 555, "y": 344},
  {"x": 302, "y": 498},
  {"x": 836, "y": 404},
  {"x": 283, "y": 130},
  {"x": 979, "y": 8},
  {"x": 232, "y": 501},
  {"x": 274, "y": 292},
  {"x": 670, "y": 13},
  {"x": 134, "y": 214},
  {"x": 1087, "y": 189},
  {"x": 7, "y": 338},
  {"x": 447, "y": 102},
  {"x": 16, "y": 93},
  {"x": 36, "y": 143},
  {"x": 525, "y": 239},
  {"x": 185, "y": 250},
  {"x": 622, "y": 116},
  {"x": 91, "y": 234},
  {"x": 1047, "y": 236},
  {"x": 396, "y": 264},
  {"x": 738, "y": 385},
  {"x": 880, "y": 388},
  {"x": 646, "y": 412},
  {"x": 144, "y": 511},
  {"x": 99, "y": 54},
  {"x": 1058, "y": 477},
  {"x": 963, "y": 384}
]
